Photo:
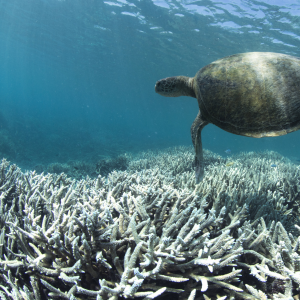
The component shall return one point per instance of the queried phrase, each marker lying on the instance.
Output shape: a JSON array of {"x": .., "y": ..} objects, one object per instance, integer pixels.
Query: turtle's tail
[{"x": 175, "y": 86}]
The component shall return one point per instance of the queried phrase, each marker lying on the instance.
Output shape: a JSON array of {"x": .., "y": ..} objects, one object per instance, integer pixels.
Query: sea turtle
[{"x": 254, "y": 94}]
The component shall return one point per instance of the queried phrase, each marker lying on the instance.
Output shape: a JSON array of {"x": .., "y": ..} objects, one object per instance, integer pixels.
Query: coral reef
[
  {"x": 105, "y": 166},
  {"x": 80, "y": 169},
  {"x": 75, "y": 169},
  {"x": 150, "y": 231}
]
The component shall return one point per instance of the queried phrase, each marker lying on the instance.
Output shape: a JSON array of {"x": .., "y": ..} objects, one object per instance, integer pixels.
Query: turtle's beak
[{"x": 156, "y": 86}]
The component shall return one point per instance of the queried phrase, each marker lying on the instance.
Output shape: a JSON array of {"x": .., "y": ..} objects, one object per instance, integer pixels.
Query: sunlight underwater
[{"x": 136, "y": 225}]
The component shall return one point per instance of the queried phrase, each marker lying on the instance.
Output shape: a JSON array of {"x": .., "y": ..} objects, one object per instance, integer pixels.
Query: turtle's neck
[{"x": 186, "y": 86}]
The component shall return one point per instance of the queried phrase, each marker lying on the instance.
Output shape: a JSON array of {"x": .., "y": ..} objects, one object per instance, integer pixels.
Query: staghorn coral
[
  {"x": 146, "y": 233},
  {"x": 80, "y": 169},
  {"x": 106, "y": 166},
  {"x": 75, "y": 169},
  {"x": 272, "y": 193}
]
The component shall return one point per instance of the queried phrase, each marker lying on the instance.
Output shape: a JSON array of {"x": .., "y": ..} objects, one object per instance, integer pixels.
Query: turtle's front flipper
[{"x": 196, "y": 129}]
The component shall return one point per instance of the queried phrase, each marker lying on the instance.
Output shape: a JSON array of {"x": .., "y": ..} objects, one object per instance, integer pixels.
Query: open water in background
[{"x": 77, "y": 76}]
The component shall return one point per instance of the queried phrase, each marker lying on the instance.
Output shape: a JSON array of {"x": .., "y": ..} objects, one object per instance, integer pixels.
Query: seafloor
[{"x": 138, "y": 227}]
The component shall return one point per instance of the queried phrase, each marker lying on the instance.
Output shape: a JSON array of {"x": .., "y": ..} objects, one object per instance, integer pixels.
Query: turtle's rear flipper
[
  {"x": 196, "y": 129},
  {"x": 199, "y": 171}
]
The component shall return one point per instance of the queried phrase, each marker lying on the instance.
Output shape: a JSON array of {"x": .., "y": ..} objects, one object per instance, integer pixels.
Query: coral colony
[{"x": 150, "y": 231}]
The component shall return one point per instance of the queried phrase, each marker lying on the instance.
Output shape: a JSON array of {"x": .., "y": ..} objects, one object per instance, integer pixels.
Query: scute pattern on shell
[{"x": 253, "y": 94}]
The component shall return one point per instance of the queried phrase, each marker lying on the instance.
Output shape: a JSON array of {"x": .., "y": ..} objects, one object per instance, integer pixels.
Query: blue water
[{"x": 77, "y": 76}]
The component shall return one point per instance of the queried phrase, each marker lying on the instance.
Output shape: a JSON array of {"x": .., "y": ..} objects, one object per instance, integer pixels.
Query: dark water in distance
[{"x": 77, "y": 76}]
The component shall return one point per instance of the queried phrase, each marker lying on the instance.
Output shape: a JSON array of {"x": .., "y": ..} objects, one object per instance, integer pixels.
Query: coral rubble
[{"x": 150, "y": 232}]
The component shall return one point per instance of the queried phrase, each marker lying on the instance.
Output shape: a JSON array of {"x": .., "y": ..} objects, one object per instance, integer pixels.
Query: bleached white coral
[{"x": 137, "y": 232}]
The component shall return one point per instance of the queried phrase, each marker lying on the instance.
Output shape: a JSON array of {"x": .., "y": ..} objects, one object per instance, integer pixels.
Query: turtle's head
[{"x": 175, "y": 86}]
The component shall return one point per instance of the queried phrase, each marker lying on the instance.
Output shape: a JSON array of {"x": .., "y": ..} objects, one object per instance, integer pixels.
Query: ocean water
[{"x": 77, "y": 76}]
